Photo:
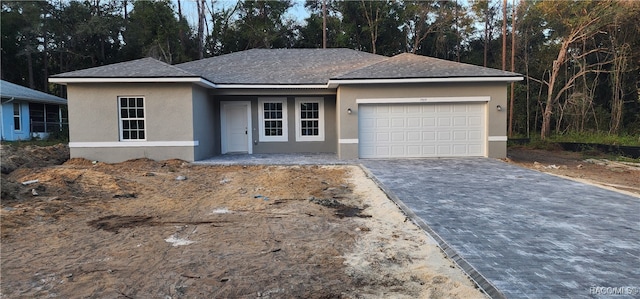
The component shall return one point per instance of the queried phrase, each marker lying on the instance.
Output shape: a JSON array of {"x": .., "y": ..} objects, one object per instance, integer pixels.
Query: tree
[
  {"x": 153, "y": 30},
  {"x": 260, "y": 24},
  {"x": 485, "y": 12},
  {"x": 366, "y": 23},
  {"x": 588, "y": 18}
]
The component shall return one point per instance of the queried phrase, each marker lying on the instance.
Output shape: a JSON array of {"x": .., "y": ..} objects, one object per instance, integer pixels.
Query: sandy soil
[
  {"x": 168, "y": 229},
  {"x": 620, "y": 176}
]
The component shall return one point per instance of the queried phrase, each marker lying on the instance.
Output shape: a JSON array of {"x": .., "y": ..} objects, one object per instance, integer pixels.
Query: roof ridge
[
  {"x": 177, "y": 68},
  {"x": 366, "y": 66}
]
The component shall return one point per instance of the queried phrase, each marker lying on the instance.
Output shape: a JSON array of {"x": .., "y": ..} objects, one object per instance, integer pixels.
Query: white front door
[{"x": 236, "y": 127}]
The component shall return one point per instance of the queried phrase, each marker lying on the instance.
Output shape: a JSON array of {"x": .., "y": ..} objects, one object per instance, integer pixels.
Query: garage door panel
[
  {"x": 398, "y": 137},
  {"x": 382, "y": 137},
  {"x": 414, "y": 137},
  {"x": 428, "y": 122},
  {"x": 382, "y": 123},
  {"x": 422, "y": 130},
  {"x": 460, "y": 136},
  {"x": 413, "y": 122},
  {"x": 475, "y": 121},
  {"x": 398, "y": 123},
  {"x": 444, "y": 136}
]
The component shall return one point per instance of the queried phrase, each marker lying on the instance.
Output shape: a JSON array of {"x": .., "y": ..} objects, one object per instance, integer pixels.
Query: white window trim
[
  {"x": 285, "y": 123},
  {"x": 19, "y": 116},
  {"x": 144, "y": 109},
  {"x": 320, "y": 102}
]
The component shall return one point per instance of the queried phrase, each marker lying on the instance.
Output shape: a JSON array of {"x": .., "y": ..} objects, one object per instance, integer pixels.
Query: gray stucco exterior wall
[
  {"x": 291, "y": 145},
  {"x": 94, "y": 124},
  {"x": 206, "y": 124},
  {"x": 496, "y": 121}
]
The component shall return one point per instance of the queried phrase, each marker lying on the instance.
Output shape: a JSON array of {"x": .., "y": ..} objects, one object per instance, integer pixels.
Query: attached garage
[{"x": 418, "y": 130}]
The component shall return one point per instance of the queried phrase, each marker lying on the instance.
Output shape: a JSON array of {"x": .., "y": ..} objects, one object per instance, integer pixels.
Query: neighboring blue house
[{"x": 28, "y": 113}]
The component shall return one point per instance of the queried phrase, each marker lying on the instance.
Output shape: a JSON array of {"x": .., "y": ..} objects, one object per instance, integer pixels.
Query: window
[
  {"x": 309, "y": 119},
  {"x": 44, "y": 118},
  {"x": 132, "y": 118},
  {"x": 272, "y": 114},
  {"x": 16, "y": 117}
]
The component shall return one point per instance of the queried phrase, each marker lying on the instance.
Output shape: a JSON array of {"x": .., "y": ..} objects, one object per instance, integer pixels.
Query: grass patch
[
  {"x": 597, "y": 137},
  {"x": 34, "y": 142}
]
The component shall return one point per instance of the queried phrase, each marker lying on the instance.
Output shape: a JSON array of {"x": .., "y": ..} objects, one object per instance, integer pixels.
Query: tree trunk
[
  {"x": 504, "y": 35},
  {"x": 545, "y": 131},
  {"x": 201, "y": 16},
  {"x": 513, "y": 66},
  {"x": 32, "y": 83},
  {"x": 486, "y": 33},
  {"x": 324, "y": 24}
]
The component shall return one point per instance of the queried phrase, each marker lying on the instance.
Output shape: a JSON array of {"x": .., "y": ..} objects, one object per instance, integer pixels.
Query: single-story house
[
  {"x": 28, "y": 113},
  {"x": 352, "y": 103}
]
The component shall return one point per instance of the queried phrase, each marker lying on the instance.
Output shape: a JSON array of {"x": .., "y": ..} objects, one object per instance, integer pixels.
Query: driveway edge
[{"x": 483, "y": 284}]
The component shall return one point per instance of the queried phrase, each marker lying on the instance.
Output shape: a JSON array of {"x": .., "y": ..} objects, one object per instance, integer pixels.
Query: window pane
[
  {"x": 139, "y": 102},
  {"x": 124, "y": 113},
  {"x": 133, "y": 124},
  {"x": 134, "y": 134},
  {"x": 141, "y": 124},
  {"x": 16, "y": 109},
  {"x": 132, "y": 113},
  {"x": 141, "y": 134},
  {"x": 16, "y": 123},
  {"x": 140, "y": 113},
  {"x": 125, "y": 134},
  {"x": 125, "y": 124},
  {"x": 123, "y": 102},
  {"x": 132, "y": 102}
]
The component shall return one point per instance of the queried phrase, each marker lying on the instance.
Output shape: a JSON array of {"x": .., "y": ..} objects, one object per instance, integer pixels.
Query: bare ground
[
  {"x": 619, "y": 176},
  {"x": 134, "y": 230}
]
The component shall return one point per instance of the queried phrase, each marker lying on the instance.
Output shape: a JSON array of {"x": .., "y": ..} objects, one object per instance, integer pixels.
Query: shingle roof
[
  {"x": 140, "y": 68},
  {"x": 292, "y": 67},
  {"x": 10, "y": 90},
  {"x": 408, "y": 65},
  {"x": 280, "y": 66}
]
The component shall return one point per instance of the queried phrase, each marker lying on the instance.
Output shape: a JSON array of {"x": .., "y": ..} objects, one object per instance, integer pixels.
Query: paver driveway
[{"x": 531, "y": 235}]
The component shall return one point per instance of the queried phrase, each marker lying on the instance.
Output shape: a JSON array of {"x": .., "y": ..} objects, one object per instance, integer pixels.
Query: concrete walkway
[
  {"x": 522, "y": 233},
  {"x": 275, "y": 159}
]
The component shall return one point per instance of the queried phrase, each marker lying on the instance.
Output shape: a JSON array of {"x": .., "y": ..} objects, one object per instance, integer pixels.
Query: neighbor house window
[
  {"x": 16, "y": 117},
  {"x": 272, "y": 114},
  {"x": 309, "y": 119},
  {"x": 132, "y": 123}
]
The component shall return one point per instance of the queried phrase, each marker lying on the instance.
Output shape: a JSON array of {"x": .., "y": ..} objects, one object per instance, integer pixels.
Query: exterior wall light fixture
[
  {"x": 499, "y": 108},
  {"x": 349, "y": 111}
]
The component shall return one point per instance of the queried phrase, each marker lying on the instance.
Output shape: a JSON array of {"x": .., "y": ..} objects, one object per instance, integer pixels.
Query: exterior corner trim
[
  {"x": 348, "y": 141},
  {"x": 497, "y": 138}
]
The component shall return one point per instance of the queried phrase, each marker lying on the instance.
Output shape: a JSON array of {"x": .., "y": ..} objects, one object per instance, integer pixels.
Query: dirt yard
[
  {"x": 619, "y": 176},
  {"x": 169, "y": 229}
]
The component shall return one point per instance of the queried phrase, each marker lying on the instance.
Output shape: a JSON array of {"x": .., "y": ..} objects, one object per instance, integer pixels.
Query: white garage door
[{"x": 421, "y": 130}]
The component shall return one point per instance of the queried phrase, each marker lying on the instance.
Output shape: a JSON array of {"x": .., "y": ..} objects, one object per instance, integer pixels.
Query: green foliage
[
  {"x": 597, "y": 137},
  {"x": 153, "y": 30},
  {"x": 36, "y": 142}
]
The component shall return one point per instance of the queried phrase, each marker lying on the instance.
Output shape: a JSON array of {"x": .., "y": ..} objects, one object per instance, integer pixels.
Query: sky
[{"x": 190, "y": 9}]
